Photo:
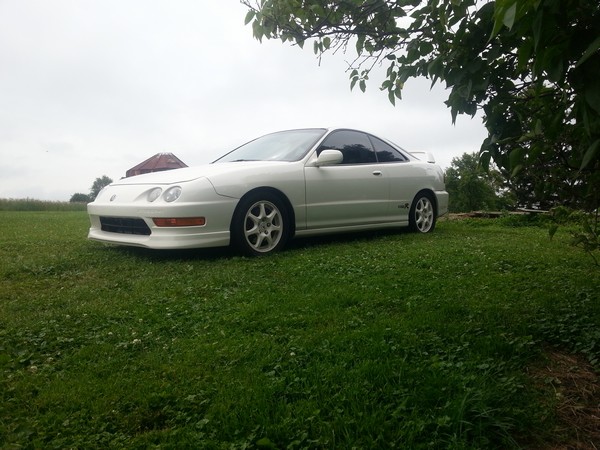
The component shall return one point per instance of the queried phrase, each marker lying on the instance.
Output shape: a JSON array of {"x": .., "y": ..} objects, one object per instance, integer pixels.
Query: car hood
[{"x": 193, "y": 173}]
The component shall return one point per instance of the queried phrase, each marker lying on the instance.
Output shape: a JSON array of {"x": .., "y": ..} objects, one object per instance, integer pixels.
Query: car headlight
[
  {"x": 172, "y": 194},
  {"x": 154, "y": 194}
]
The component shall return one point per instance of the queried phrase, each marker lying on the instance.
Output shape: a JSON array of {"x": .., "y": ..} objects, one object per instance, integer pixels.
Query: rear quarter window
[{"x": 385, "y": 152}]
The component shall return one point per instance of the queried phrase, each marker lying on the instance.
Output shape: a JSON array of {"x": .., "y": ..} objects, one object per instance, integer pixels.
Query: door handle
[{"x": 377, "y": 173}]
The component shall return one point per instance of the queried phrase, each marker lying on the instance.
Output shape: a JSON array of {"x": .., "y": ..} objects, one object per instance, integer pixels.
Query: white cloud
[{"x": 92, "y": 88}]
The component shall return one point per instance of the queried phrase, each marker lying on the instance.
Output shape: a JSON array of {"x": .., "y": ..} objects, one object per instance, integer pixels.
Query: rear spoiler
[{"x": 424, "y": 156}]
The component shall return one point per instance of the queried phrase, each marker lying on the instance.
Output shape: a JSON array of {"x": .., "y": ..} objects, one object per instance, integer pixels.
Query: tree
[
  {"x": 79, "y": 198},
  {"x": 473, "y": 188},
  {"x": 550, "y": 174},
  {"x": 99, "y": 183},
  {"x": 500, "y": 56},
  {"x": 548, "y": 180}
]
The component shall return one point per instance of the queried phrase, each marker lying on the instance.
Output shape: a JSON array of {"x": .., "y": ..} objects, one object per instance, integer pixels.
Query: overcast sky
[{"x": 94, "y": 87}]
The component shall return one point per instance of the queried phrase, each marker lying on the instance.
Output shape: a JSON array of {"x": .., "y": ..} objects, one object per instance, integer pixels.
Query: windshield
[{"x": 289, "y": 145}]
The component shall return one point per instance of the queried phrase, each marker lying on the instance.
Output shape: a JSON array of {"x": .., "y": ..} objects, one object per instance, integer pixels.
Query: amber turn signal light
[{"x": 180, "y": 222}]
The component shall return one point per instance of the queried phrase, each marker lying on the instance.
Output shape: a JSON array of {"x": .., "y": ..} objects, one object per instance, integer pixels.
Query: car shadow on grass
[
  {"x": 219, "y": 253},
  {"x": 207, "y": 254},
  {"x": 343, "y": 238}
]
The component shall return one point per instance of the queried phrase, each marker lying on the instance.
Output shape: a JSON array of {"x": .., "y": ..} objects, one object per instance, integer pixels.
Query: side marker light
[{"x": 179, "y": 222}]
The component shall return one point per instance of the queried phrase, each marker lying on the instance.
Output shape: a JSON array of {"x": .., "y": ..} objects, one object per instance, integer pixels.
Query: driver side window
[{"x": 355, "y": 146}]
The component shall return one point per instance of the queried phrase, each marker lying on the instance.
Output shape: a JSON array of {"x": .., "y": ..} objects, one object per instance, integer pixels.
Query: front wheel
[
  {"x": 422, "y": 213},
  {"x": 260, "y": 225}
]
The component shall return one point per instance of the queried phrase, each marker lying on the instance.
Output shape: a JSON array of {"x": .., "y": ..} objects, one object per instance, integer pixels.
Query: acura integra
[{"x": 291, "y": 183}]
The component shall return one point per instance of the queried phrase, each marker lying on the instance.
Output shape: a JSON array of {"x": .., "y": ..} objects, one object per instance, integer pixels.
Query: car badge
[{"x": 113, "y": 197}]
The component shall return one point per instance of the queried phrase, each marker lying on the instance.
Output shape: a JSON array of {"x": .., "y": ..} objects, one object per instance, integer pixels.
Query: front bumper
[{"x": 124, "y": 217}]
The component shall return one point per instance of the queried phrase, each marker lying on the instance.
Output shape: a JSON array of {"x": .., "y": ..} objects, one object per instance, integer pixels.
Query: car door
[
  {"x": 352, "y": 193},
  {"x": 402, "y": 176}
]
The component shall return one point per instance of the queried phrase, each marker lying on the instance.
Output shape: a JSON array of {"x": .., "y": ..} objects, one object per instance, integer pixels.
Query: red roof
[{"x": 157, "y": 163}]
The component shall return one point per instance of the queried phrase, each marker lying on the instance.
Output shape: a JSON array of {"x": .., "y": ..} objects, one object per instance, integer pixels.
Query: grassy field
[
  {"x": 387, "y": 340},
  {"x": 30, "y": 204}
]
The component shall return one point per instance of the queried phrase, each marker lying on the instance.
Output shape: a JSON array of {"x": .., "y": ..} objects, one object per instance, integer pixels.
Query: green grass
[
  {"x": 366, "y": 341},
  {"x": 30, "y": 204}
]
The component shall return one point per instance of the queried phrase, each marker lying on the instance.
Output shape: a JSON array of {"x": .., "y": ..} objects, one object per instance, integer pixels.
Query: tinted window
[
  {"x": 385, "y": 152},
  {"x": 355, "y": 146}
]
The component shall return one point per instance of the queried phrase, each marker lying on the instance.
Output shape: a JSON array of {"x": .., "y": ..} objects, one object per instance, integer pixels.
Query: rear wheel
[
  {"x": 422, "y": 213},
  {"x": 260, "y": 224}
]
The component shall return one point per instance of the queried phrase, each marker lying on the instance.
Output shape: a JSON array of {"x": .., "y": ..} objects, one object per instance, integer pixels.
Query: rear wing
[{"x": 424, "y": 156}]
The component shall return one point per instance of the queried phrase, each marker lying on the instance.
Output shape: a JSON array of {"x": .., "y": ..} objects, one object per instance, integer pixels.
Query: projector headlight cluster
[
  {"x": 154, "y": 194},
  {"x": 170, "y": 195}
]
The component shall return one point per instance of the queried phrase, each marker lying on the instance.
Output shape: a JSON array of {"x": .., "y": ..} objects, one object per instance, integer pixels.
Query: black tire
[
  {"x": 422, "y": 215},
  {"x": 260, "y": 224}
]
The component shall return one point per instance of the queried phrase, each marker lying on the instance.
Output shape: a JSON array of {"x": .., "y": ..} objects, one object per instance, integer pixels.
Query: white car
[{"x": 302, "y": 182}]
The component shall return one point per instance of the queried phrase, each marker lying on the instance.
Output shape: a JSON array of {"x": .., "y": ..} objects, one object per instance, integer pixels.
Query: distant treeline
[{"x": 30, "y": 204}]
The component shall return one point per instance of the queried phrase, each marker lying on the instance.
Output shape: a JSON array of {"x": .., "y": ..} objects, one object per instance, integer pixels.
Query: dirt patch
[{"x": 576, "y": 389}]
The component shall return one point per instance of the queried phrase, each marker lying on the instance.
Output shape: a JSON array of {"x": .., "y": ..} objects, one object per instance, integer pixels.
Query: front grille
[{"x": 124, "y": 225}]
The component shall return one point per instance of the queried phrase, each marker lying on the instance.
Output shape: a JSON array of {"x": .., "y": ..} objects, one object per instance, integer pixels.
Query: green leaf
[
  {"x": 517, "y": 158},
  {"x": 537, "y": 30},
  {"x": 392, "y": 98},
  {"x": 454, "y": 114},
  {"x": 265, "y": 443},
  {"x": 257, "y": 30},
  {"x": 249, "y": 16},
  {"x": 577, "y": 239},
  {"x": 593, "y": 48},
  {"x": 496, "y": 29},
  {"x": 552, "y": 230},
  {"x": 435, "y": 68},
  {"x": 426, "y": 48},
  {"x": 484, "y": 160},
  {"x": 398, "y": 90},
  {"x": 326, "y": 42},
  {"x": 553, "y": 64},
  {"x": 509, "y": 16},
  {"x": 524, "y": 54},
  {"x": 590, "y": 154},
  {"x": 503, "y": 16},
  {"x": 592, "y": 96},
  {"x": 517, "y": 169},
  {"x": 585, "y": 225},
  {"x": 360, "y": 45}
]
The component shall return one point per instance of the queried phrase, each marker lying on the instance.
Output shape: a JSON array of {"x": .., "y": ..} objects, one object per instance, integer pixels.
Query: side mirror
[{"x": 329, "y": 158}]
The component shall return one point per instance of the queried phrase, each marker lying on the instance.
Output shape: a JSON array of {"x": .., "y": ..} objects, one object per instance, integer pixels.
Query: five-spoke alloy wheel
[
  {"x": 260, "y": 225},
  {"x": 422, "y": 213}
]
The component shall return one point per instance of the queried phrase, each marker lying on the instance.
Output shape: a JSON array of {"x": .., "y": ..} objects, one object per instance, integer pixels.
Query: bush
[
  {"x": 80, "y": 198},
  {"x": 587, "y": 237}
]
